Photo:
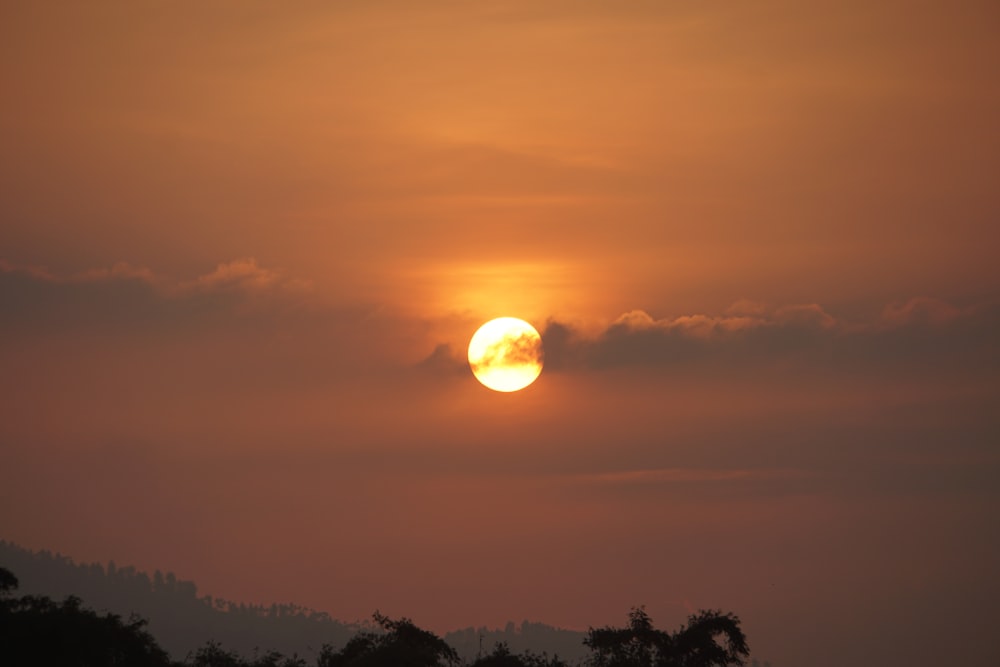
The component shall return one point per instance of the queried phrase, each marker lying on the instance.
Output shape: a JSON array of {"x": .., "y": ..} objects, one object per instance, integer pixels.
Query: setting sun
[{"x": 505, "y": 354}]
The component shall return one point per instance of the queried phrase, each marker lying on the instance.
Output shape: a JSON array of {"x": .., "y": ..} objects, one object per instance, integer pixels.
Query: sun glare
[{"x": 505, "y": 354}]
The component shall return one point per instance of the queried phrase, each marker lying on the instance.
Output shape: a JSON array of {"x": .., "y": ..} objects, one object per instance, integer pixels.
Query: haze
[{"x": 243, "y": 247}]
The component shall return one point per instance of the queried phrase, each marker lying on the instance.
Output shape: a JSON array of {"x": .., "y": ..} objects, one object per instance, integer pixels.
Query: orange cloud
[{"x": 245, "y": 272}]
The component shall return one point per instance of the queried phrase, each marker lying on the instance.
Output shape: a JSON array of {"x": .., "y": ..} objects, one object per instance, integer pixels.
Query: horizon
[
  {"x": 184, "y": 620},
  {"x": 363, "y": 622}
]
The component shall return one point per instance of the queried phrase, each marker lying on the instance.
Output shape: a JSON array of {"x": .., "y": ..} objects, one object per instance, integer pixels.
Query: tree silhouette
[
  {"x": 8, "y": 582},
  {"x": 401, "y": 644},
  {"x": 35, "y": 630},
  {"x": 502, "y": 657},
  {"x": 710, "y": 639},
  {"x": 699, "y": 642},
  {"x": 182, "y": 621},
  {"x": 213, "y": 655}
]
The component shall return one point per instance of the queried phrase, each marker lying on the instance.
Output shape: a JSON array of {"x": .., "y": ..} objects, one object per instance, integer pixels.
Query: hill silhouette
[
  {"x": 183, "y": 622},
  {"x": 180, "y": 619}
]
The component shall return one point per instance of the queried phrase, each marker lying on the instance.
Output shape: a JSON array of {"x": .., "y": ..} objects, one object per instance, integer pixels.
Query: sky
[{"x": 244, "y": 245}]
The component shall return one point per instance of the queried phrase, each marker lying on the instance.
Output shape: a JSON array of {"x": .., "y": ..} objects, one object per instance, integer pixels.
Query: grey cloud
[
  {"x": 920, "y": 333},
  {"x": 636, "y": 338},
  {"x": 127, "y": 297},
  {"x": 444, "y": 361},
  {"x": 31, "y": 298}
]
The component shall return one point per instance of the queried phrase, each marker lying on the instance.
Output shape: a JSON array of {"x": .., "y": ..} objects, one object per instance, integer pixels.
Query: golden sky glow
[{"x": 243, "y": 248}]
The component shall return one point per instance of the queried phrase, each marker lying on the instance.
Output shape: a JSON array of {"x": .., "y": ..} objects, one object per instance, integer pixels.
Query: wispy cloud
[{"x": 689, "y": 475}]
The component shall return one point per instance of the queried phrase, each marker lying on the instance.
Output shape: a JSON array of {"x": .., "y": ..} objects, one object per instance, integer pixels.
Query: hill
[{"x": 182, "y": 621}]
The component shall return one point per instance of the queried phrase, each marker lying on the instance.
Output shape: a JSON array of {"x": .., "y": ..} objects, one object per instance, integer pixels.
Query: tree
[
  {"x": 35, "y": 630},
  {"x": 213, "y": 655},
  {"x": 710, "y": 639},
  {"x": 400, "y": 644},
  {"x": 8, "y": 582},
  {"x": 502, "y": 657}
]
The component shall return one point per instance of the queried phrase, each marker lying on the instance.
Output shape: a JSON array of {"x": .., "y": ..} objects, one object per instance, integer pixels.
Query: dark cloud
[
  {"x": 125, "y": 297},
  {"x": 637, "y": 339},
  {"x": 919, "y": 333},
  {"x": 237, "y": 327},
  {"x": 444, "y": 361},
  {"x": 32, "y": 298},
  {"x": 247, "y": 299}
]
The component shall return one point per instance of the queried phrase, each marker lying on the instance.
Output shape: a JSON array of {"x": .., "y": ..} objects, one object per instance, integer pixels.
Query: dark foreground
[{"x": 38, "y": 631}]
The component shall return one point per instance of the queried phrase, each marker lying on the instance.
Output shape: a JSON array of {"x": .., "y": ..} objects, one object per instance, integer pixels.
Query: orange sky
[{"x": 243, "y": 246}]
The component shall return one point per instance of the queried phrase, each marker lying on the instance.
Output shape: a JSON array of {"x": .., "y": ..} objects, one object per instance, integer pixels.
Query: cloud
[
  {"x": 695, "y": 326},
  {"x": 687, "y": 475},
  {"x": 241, "y": 326},
  {"x": 32, "y": 297},
  {"x": 120, "y": 271},
  {"x": 443, "y": 361},
  {"x": 522, "y": 349},
  {"x": 920, "y": 311},
  {"x": 636, "y": 338},
  {"x": 806, "y": 316},
  {"x": 699, "y": 483},
  {"x": 916, "y": 333},
  {"x": 244, "y": 273},
  {"x": 125, "y": 296}
]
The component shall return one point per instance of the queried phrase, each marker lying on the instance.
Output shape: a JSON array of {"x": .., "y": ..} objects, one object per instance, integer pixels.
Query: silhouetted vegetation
[
  {"x": 520, "y": 638},
  {"x": 697, "y": 644},
  {"x": 35, "y": 630},
  {"x": 213, "y": 655},
  {"x": 502, "y": 657},
  {"x": 181, "y": 620},
  {"x": 400, "y": 643}
]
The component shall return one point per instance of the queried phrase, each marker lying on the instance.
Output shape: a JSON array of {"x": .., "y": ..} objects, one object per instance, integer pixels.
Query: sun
[{"x": 505, "y": 354}]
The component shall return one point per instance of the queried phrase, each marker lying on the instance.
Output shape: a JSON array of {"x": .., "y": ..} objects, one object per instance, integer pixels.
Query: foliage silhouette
[
  {"x": 401, "y": 644},
  {"x": 35, "y": 630},
  {"x": 502, "y": 657},
  {"x": 8, "y": 582},
  {"x": 213, "y": 655},
  {"x": 695, "y": 645},
  {"x": 181, "y": 620},
  {"x": 521, "y": 638}
]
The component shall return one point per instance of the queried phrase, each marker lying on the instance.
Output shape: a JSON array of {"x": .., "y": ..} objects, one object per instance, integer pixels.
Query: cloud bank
[
  {"x": 918, "y": 334},
  {"x": 125, "y": 296}
]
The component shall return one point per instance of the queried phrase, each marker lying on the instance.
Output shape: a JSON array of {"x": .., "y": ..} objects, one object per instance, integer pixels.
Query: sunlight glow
[{"x": 505, "y": 354}]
